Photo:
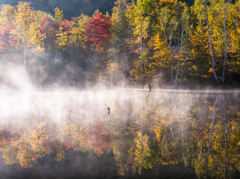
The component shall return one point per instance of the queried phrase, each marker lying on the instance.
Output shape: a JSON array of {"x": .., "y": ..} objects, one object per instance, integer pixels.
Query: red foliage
[
  {"x": 99, "y": 138},
  {"x": 98, "y": 31},
  {"x": 67, "y": 145},
  {"x": 49, "y": 28},
  {"x": 8, "y": 39},
  {"x": 66, "y": 26},
  {"x": 6, "y": 137}
]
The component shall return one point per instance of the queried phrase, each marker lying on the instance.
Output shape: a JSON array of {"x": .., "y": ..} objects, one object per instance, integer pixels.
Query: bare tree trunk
[
  {"x": 178, "y": 37},
  {"x": 200, "y": 19},
  {"x": 182, "y": 34},
  {"x": 170, "y": 40},
  {"x": 141, "y": 50},
  {"x": 114, "y": 62},
  {"x": 55, "y": 60},
  {"x": 213, "y": 60},
  {"x": 125, "y": 56},
  {"x": 175, "y": 41},
  {"x": 209, "y": 146},
  {"x": 177, "y": 72},
  {"x": 24, "y": 53},
  {"x": 172, "y": 77},
  {"x": 201, "y": 28},
  {"x": 179, "y": 57},
  {"x": 236, "y": 20},
  {"x": 225, "y": 59}
]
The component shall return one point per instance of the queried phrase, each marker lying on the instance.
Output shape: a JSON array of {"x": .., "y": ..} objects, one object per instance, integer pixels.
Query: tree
[
  {"x": 141, "y": 153},
  {"x": 49, "y": 29},
  {"x": 225, "y": 32},
  {"x": 140, "y": 23},
  {"x": 210, "y": 136},
  {"x": 65, "y": 29},
  {"x": 7, "y": 15},
  {"x": 58, "y": 15},
  {"x": 210, "y": 43},
  {"x": 198, "y": 10},
  {"x": 26, "y": 26},
  {"x": 98, "y": 32},
  {"x": 122, "y": 30},
  {"x": 8, "y": 38},
  {"x": 99, "y": 138}
]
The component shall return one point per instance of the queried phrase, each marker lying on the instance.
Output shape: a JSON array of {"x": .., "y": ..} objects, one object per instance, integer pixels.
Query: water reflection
[{"x": 163, "y": 134}]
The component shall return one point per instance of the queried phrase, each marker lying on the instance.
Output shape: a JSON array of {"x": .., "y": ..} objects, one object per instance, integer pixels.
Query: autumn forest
[{"x": 163, "y": 42}]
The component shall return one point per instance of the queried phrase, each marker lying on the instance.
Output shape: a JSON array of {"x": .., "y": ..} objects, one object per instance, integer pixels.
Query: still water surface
[{"x": 165, "y": 134}]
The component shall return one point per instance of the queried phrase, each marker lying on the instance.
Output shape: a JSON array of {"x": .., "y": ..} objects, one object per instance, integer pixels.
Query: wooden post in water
[{"x": 150, "y": 87}]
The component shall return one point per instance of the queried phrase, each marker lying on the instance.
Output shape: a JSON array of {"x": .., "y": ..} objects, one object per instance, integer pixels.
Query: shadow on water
[{"x": 166, "y": 134}]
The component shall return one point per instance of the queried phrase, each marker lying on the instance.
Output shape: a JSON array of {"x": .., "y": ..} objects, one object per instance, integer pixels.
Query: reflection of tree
[
  {"x": 141, "y": 153},
  {"x": 211, "y": 135},
  {"x": 134, "y": 149},
  {"x": 99, "y": 138},
  {"x": 122, "y": 141},
  {"x": 225, "y": 148},
  {"x": 61, "y": 151},
  {"x": 25, "y": 149}
]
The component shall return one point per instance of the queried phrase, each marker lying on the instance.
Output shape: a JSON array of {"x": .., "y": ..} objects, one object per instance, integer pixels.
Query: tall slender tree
[
  {"x": 141, "y": 24},
  {"x": 225, "y": 32},
  {"x": 210, "y": 43},
  {"x": 122, "y": 29},
  {"x": 26, "y": 27}
]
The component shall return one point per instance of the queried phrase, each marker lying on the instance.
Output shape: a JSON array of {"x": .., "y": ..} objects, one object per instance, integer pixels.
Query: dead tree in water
[{"x": 150, "y": 87}]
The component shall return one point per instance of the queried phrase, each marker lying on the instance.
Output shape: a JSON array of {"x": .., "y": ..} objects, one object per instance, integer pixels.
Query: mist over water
[{"x": 70, "y": 133}]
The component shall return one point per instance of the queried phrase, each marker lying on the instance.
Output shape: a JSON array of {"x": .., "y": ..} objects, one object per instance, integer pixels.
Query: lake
[{"x": 162, "y": 134}]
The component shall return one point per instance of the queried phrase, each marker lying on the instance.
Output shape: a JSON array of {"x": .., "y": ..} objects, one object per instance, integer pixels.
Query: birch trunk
[
  {"x": 182, "y": 35},
  {"x": 175, "y": 41},
  {"x": 225, "y": 59},
  {"x": 141, "y": 50},
  {"x": 55, "y": 60},
  {"x": 177, "y": 72},
  {"x": 24, "y": 54},
  {"x": 178, "y": 38},
  {"x": 213, "y": 60},
  {"x": 179, "y": 57},
  {"x": 125, "y": 56}
]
